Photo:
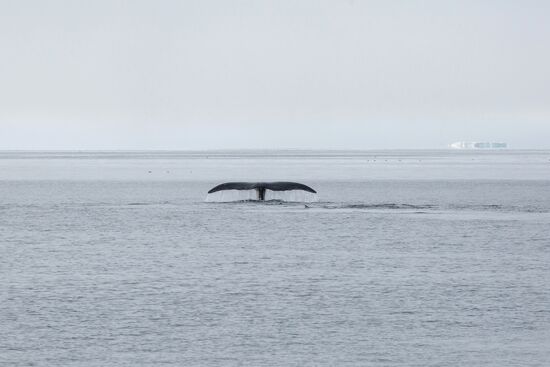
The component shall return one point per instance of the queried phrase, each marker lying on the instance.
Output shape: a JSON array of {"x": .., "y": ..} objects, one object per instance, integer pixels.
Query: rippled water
[{"x": 408, "y": 259}]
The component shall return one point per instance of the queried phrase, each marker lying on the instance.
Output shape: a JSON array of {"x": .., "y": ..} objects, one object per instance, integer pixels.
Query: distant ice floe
[
  {"x": 478, "y": 145},
  {"x": 296, "y": 196}
]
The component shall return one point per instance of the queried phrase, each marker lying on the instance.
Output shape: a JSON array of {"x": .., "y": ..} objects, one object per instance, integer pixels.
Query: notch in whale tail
[{"x": 286, "y": 191}]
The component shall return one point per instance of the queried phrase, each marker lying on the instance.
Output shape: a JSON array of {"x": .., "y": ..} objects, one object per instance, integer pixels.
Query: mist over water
[{"x": 407, "y": 258}]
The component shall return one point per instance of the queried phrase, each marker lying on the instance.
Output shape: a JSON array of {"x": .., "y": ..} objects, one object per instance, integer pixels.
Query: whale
[{"x": 261, "y": 187}]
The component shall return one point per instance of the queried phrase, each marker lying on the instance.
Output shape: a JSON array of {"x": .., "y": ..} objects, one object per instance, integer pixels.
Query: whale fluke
[
  {"x": 273, "y": 186},
  {"x": 261, "y": 187}
]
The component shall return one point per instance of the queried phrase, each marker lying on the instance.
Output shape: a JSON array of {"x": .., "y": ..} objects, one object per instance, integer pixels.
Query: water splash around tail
[{"x": 296, "y": 196}]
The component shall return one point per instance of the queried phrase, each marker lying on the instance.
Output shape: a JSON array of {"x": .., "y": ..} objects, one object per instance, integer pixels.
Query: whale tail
[{"x": 261, "y": 191}]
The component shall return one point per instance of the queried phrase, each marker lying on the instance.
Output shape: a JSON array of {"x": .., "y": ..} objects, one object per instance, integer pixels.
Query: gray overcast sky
[{"x": 273, "y": 74}]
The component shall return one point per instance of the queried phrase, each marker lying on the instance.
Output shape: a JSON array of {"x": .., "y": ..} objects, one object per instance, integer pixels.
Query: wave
[
  {"x": 386, "y": 206},
  {"x": 424, "y": 208},
  {"x": 499, "y": 208},
  {"x": 310, "y": 201},
  {"x": 368, "y": 206}
]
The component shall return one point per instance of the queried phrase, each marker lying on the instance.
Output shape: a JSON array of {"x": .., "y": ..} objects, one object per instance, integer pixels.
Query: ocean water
[{"x": 409, "y": 258}]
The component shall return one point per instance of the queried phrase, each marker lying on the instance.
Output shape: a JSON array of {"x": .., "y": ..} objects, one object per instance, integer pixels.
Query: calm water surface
[{"x": 410, "y": 258}]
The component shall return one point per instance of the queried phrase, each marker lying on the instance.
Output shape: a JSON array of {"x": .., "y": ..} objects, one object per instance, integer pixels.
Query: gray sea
[{"x": 409, "y": 258}]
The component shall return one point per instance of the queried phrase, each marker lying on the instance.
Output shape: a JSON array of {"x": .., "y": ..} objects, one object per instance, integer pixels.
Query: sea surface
[{"x": 409, "y": 258}]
